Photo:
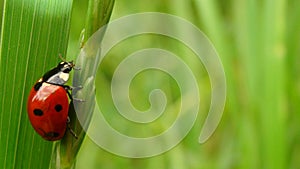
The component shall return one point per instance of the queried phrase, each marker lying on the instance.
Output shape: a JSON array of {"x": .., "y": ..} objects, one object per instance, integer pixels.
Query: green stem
[
  {"x": 98, "y": 15},
  {"x": 64, "y": 152}
]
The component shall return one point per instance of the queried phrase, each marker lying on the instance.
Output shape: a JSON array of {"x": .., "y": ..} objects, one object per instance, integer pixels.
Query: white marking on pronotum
[
  {"x": 64, "y": 76},
  {"x": 59, "y": 78}
]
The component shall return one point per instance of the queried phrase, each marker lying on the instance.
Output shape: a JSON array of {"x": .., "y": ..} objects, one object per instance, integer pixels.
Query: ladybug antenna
[{"x": 63, "y": 59}]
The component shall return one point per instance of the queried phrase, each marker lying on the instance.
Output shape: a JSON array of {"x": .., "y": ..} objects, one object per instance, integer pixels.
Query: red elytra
[
  {"x": 48, "y": 111},
  {"x": 48, "y": 103}
]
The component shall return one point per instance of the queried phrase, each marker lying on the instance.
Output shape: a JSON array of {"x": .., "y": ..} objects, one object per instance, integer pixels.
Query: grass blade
[{"x": 33, "y": 34}]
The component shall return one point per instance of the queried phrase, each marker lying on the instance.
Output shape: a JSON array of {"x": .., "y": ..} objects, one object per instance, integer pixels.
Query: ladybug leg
[
  {"x": 75, "y": 88},
  {"x": 70, "y": 88},
  {"x": 76, "y": 68},
  {"x": 70, "y": 129}
]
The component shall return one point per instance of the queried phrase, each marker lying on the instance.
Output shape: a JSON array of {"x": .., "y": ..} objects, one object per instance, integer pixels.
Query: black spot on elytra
[
  {"x": 52, "y": 134},
  {"x": 38, "y": 112},
  {"x": 58, "y": 107}
]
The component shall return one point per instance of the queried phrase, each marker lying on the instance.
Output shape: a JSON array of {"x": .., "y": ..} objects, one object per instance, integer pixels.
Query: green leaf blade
[{"x": 33, "y": 34}]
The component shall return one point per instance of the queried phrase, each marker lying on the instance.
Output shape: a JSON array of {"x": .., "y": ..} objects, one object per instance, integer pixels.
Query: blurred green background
[{"x": 258, "y": 43}]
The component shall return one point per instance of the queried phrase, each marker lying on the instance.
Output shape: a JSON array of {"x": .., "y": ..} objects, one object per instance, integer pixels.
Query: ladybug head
[
  {"x": 65, "y": 67},
  {"x": 60, "y": 74}
]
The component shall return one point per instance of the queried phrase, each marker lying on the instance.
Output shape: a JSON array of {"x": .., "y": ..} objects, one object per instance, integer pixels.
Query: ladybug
[{"x": 48, "y": 103}]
